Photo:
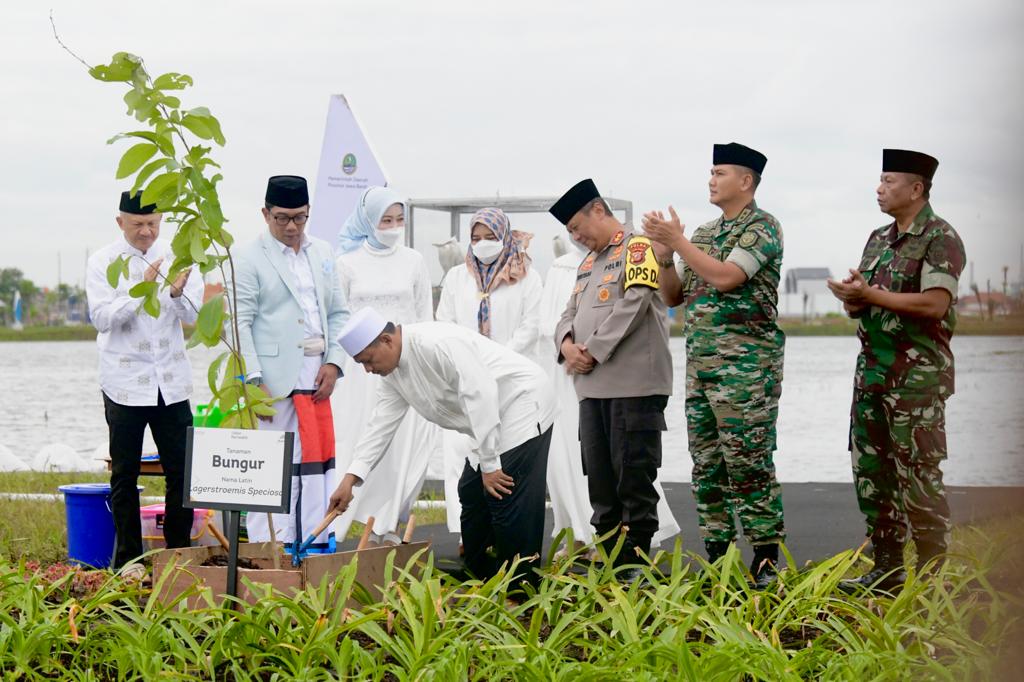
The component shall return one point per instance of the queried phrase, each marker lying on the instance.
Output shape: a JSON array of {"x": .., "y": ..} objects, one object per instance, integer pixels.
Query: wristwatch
[{"x": 668, "y": 263}]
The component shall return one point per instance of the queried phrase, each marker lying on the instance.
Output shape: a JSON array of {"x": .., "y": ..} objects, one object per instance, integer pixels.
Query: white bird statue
[
  {"x": 558, "y": 246},
  {"x": 449, "y": 254}
]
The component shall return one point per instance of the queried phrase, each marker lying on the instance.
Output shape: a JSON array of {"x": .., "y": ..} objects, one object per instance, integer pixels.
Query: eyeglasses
[{"x": 283, "y": 220}]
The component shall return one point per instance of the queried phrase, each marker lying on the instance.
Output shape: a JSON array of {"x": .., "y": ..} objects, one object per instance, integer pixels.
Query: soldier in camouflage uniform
[
  {"x": 727, "y": 280},
  {"x": 902, "y": 293}
]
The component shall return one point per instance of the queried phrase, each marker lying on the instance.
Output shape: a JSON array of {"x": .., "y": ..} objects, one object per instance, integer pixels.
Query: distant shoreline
[{"x": 834, "y": 325}]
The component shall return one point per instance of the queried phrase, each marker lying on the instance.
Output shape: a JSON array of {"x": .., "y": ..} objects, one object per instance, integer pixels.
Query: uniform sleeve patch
[
  {"x": 641, "y": 264},
  {"x": 748, "y": 239}
]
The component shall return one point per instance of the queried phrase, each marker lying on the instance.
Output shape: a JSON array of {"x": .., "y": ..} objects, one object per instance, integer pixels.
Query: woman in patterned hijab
[
  {"x": 496, "y": 255},
  {"x": 498, "y": 294}
]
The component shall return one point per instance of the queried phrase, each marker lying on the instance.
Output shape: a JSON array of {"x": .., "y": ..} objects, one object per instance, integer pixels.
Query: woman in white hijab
[
  {"x": 496, "y": 293},
  {"x": 376, "y": 269}
]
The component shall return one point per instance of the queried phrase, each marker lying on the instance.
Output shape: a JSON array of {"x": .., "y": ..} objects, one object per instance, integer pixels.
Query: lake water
[{"x": 49, "y": 394}]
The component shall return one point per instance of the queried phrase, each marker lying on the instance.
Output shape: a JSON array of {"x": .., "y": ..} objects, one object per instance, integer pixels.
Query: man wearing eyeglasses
[{"x": 290, "y": 313}]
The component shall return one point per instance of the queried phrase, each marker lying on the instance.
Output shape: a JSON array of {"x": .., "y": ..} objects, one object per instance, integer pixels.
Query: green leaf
[
  {"x": 158, "y": 186},
  {"x": 263, "y": 409},
  {"x": 211, "y": 318},
  {"x": 142, "y": 289},
  {"x": 123, "y": 67},
  {"x": 151, "y": 304},
  {"x": 229, "y": 397},
  {"x": 182, "y": 240},
  {"x": 198, "y": 126},
  {"x": 212, "y": 214},
  {"x": 114, "y": 271},
  {"x": 231, "y": 421},
  {"x": 196, "y": 247},
  {"x": 211, "y": 264},
  {"x": 173, "y": 81},
  {"x": 160, "y": 139},
  {"x": 211, "y": 374},
  {"x": 148, "y": 170},
  {"x": 133, "y": 159}
]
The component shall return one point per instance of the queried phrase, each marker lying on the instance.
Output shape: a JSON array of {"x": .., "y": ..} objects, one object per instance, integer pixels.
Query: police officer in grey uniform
[{"x": 613, "y": 337}]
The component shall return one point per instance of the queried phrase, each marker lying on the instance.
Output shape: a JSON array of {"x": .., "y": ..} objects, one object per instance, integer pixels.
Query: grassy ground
[
  {"x": 36, "y": 530},
  {"x": 577, "y": 625},
  {"x": 82, "y": 332},
  {"x": 678, "y": 623}
]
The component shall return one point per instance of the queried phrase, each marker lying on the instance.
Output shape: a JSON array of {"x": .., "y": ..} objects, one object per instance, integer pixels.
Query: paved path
[{"x": 821, "y": 518}]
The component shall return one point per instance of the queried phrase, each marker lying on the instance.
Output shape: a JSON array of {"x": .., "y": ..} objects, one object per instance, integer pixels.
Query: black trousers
[
  {"x": 513, "y": 525},
  {"x": 620, "y": 440},
  {"x": 169, "y": 425}
]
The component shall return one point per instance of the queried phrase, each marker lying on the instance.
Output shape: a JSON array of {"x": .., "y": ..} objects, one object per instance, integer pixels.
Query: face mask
[
  {"x": 487, "y": 250},
  {"x": 389, "y": 238}
]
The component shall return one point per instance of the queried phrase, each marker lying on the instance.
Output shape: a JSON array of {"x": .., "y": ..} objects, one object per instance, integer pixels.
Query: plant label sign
[{"x": 238, "y": 469}]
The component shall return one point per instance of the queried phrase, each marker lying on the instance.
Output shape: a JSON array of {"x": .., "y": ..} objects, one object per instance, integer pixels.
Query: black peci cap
[
  {"x": 906, "y": 161},
  {"x": 133, "y": 204},
  {"x": 287, "y": 191},
  {"x": 739, "y": 155},
  {"x": 581, "y": 194}
]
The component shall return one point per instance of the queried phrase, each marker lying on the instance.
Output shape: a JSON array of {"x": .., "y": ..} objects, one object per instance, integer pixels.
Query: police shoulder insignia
[
  {"x": 641, "y": 264},
  {"x": 617, "y": 239},
  {"x": 748, "y": 239},
  {"x": 588, "y": 264}
]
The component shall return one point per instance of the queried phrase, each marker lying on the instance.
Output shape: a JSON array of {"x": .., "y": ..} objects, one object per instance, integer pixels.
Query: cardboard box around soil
[{"x": 185, "y": 564}]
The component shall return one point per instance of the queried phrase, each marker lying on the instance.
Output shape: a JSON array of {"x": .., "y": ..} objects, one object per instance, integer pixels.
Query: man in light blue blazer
[{"x": 290, "y": 313}]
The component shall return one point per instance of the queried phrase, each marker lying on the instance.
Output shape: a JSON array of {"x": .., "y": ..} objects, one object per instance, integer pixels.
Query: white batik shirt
[{"x": 141, "y": 356}]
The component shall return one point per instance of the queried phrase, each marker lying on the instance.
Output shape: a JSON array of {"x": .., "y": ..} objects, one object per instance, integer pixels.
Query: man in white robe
[{"x": 460, "y": 380}]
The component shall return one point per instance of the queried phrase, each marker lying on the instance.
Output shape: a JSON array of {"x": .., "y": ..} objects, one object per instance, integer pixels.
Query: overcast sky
[{"x": 472, "y": 98}]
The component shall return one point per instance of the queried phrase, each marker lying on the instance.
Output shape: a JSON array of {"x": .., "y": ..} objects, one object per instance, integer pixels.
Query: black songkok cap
[
  {"x": 905, "y": 161},
  {"x": 287, "y": 191},
  {"x": 581, "y": 194},
  {"x": 133, "y": 204},
  {"x": 739, "y": 155}
]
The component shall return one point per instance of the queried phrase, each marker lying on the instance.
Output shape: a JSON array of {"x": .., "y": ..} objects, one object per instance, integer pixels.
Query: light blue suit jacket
[{"x": 270, "y": 324}]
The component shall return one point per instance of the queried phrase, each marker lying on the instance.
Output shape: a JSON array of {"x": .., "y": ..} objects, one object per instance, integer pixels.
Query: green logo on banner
[{"x": 348, "y": 164}]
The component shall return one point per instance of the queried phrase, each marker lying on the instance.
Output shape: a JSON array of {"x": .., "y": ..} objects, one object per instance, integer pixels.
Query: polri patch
[{"x": 642, "y": 266}]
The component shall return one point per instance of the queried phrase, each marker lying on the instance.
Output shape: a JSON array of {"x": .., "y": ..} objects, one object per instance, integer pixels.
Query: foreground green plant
[
  {"x": 678, "y": 624},
  {"x": 171, "y": 168}
]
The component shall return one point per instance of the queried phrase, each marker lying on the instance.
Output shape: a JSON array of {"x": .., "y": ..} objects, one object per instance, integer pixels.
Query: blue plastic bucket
[{"x": 90, "y": 523}]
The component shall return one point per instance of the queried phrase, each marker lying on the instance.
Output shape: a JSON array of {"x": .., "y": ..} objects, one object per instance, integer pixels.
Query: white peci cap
[{"x": 361, "y": 330}]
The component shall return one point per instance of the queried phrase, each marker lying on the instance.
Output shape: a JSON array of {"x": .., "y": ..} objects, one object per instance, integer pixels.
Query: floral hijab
[{"x": 511, "y": 265}]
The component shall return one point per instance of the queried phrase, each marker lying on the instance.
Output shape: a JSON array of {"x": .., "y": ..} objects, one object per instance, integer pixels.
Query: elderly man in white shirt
[
  {"x": 460, "y": 380},
  {"x": 144, "y": 373}
]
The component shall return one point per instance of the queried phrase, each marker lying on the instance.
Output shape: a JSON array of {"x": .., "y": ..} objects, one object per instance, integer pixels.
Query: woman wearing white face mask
[
  {"x": 376, "y": 269},
  {"x": 496, "y": 293}
]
